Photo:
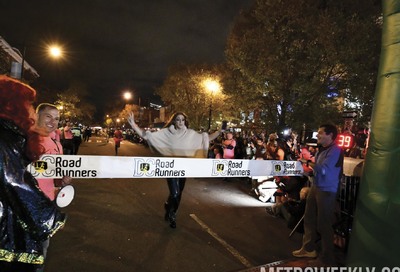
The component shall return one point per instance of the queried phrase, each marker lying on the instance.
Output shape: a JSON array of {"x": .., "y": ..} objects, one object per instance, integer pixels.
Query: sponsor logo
[
  {"x": 43, "y": 167},
  {"x": 156, "y": 168},
  {"x": 40, "y": 166},
  {"x": 283, "y": 168},
  {"x": 220, "y": 167},
  {"x": 229, "y": 168},
  {"x": 55, "y": 166},
  {"x": 144, "y": 167}
]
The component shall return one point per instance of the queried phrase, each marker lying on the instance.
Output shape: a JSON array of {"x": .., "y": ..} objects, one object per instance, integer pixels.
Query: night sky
[{"x": 120, "y": 44}]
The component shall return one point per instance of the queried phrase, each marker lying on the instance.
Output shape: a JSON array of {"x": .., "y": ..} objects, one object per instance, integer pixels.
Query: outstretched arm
[
  {"x": 136, "y": 128},
  {"x": 214, "y": 135}
]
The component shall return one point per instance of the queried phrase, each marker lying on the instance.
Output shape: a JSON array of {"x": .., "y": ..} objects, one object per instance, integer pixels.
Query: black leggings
[{"x": 175, "y": 186}]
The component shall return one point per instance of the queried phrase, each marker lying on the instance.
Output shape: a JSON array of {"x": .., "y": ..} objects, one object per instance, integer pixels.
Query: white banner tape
[{"x": 57, "y": 166}]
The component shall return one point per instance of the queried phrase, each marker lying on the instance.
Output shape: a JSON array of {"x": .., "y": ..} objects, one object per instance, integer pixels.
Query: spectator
[
  {"x": 48, "y": 118},
  {"x": 275, "y": 151},
  {"x": 321, "y": 200},
  {"x": 76, "y": 138},
  {"x": 47, "y": 123},
  {"x": 218, "y": 151},
  {"x": 68, "y": 144},
  {"x": 272, "y": 148},
  {"x": 240, "y": 149},
  {"x": 307, "y": 156},
  {"x": 87, "y": 133},
  {"x": 259, "y": 149},
  {"x": 229, "y": 145},
  {"x": 292, "y": 210},
  {"x": 249, "y": 149},
  {"x": 27, "y": 216},
  {"x": 292, "y": 146}
]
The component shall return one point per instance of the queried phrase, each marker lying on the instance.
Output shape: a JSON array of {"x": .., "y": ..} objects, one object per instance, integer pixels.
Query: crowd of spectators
[
  {"x": 287, "y": 193},
  {"x": 261, "y": 146}
]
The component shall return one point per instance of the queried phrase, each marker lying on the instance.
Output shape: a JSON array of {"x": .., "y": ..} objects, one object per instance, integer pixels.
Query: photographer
[
  {"x": 292, "y": 210},
  {"x": 259, "y": 149}
]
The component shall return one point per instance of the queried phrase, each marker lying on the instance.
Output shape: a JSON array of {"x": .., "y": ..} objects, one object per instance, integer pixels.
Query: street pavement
[{"x": 117, "y": 225}]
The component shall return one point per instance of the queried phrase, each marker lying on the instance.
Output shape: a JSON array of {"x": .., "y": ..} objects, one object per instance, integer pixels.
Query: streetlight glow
[
  {"x": 212, "y": 86},
  {"x": 127, "y": 95},
  {"x": 55, "y": 51}
]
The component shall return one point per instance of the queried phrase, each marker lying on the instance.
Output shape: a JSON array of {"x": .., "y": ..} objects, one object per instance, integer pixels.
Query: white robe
[{"x": 179, "y": 143}]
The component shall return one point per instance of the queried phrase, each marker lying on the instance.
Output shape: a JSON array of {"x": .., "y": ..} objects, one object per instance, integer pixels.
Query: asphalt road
[{"x": 117, "y": 225}]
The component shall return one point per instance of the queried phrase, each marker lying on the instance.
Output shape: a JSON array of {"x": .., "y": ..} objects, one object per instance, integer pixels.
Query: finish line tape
[{"x": 57, "y": 166}]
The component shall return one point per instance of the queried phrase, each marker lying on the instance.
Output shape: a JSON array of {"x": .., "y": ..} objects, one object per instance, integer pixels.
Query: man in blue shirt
[{"x": 321, "y": 200}]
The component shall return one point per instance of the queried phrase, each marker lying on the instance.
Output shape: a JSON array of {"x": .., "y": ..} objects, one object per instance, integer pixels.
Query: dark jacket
[{"x": 27, "y": 216}]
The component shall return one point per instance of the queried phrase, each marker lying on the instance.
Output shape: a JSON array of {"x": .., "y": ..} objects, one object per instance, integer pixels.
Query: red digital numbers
[{"x": 345, "y": 141}]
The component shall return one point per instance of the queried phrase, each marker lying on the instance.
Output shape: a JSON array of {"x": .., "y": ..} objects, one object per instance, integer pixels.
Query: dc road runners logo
[
  {"x": 280, "y": 168},
  {"x": 58, "y": 163},
  {"x": 228, "y": 168},
  {"x": 42, "y": 167},
  {"x": 156, "y": 168}
]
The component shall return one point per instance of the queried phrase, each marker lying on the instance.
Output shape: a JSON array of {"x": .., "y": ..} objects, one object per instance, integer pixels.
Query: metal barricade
[{"x": 347, "y": 198}]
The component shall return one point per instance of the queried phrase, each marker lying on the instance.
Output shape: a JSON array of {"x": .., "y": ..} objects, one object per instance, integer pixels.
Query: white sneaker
[{"x": 302, "y": 253}]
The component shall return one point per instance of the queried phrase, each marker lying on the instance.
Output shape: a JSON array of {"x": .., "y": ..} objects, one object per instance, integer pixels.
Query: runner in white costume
[{"x": 176, "y": 140}]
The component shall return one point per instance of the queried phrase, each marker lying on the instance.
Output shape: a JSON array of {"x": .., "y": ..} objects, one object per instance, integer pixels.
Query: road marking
[{"x": 228, "y": 247}]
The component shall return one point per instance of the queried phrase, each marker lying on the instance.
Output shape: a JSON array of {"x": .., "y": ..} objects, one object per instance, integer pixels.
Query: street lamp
[
  {"x": 212, "y": 86},
  {"x": 127, "y": 96},
  {"x": 54, "y": 51},
  {"x": 17, "y": 67},
  {"x": 131, "y": 106}
]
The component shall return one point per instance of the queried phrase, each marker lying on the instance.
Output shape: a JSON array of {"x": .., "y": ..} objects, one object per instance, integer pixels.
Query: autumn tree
[
  {"x": 128, "y": 108},
  {"x": 184, "y": 90},
  {"x": 295, "y": 60},
  {"x": 73, "y": 104}
]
